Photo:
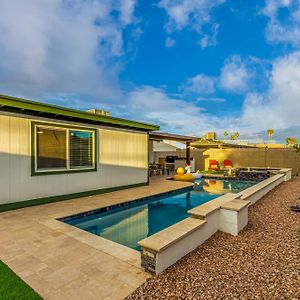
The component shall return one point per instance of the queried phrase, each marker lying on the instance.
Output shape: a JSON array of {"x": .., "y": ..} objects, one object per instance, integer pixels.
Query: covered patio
[{"x": 163, "y": 136}]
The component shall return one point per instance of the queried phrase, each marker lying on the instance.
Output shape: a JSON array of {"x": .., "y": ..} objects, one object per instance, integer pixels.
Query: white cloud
[
  {"x": 211, "y": 99},
  {"x": 174, "y": 115},
  {"x": 57, "y": 46},
  {"x": 276, "y": 108},
  {"x": 170, "y": 42},
  {"x": 284, "y": 30},
  {"x": 126, "y": 9},
  {"x": 272, "y": 6},
  {"x": 192, "y": 14},
  {"x": 210, "y": 40},
  {"x": 200, "y": 84},
  {"x": 234, "y": 75},
  {"x": 280, "y": 106},
  {"x": 188, "y": 13}
]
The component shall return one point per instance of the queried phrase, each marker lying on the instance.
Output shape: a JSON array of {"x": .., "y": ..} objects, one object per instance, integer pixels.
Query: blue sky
[{"x": 191, "y": 66}]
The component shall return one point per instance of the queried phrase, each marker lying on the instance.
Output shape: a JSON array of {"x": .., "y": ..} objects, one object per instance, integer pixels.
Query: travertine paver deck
[{"x": 60, "y": 261}]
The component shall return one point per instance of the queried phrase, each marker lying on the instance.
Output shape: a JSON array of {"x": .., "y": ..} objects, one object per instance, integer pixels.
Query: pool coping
[
  {"x": 122, "y": 252},
  {"x": 50, "y": 255},
  {"x": 130, "y": 251},
  {"x": 124, "y": 204},
  {"x": 154, "y": 242},
  {"x": 227, "y": 213}
]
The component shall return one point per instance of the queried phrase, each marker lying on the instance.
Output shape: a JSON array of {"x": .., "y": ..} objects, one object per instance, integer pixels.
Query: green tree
[
  {"x": 237, "y": 135},
  {"x": 291, "y": 141},
  {"x": 232, "y": 137},
  {"x": 270, "y": 133},
  {"x": 297, "y": 148},
  {"x": 295, "y": 141},
  {"x": 226, "y": 133}
]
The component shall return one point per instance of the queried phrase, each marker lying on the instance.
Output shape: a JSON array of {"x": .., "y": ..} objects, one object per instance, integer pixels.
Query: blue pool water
[{"x": 134, "y": 222}]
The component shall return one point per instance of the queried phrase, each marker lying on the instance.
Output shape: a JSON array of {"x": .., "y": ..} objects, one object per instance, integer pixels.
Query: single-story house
[{"x": 50, "y": 153}]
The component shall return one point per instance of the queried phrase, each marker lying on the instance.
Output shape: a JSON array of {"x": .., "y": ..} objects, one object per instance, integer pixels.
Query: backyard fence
[{"x": 242, "y": 157}]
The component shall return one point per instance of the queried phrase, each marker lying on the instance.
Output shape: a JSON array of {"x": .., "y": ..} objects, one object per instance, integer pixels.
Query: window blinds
[{"x": 81, "y": 149}]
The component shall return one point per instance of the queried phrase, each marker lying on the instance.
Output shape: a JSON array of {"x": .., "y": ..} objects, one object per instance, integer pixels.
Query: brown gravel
[{"x": 263, "y": 262}]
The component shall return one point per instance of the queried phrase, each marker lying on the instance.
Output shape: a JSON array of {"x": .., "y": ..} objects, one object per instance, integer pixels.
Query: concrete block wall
[{"x": 256, "y": 157}]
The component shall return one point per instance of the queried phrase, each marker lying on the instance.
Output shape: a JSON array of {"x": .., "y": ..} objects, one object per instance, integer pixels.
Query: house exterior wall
[{"x": 122, "y": 160}]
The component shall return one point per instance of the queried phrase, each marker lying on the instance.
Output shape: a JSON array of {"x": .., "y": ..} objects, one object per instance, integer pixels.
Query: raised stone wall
[{"x": 227, "y": 213}]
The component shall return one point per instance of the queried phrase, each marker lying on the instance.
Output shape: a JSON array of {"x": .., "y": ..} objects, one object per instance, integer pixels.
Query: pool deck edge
[{"x": 60, "y": 261}]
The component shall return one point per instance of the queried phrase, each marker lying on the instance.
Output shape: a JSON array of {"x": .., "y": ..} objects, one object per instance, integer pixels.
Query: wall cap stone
[
  {"x": 167, "y": 237},
  {"x": 236, "y": 205},
  {"x": 207, "y": 208}
]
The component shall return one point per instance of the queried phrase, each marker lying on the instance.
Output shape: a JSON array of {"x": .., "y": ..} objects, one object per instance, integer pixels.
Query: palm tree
[
  {"x": 232, "y": 137},
  {"x": 237, "y": 135},
  {"x": 270, "y": 133},
  {"x": 226, "y": 133}
]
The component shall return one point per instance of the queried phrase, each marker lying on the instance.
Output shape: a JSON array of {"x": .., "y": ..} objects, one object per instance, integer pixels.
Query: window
[
  {"x": 81, "y": 149},
  {"x": 60, "y": 149},
  {"x": 51, "y": 148}
]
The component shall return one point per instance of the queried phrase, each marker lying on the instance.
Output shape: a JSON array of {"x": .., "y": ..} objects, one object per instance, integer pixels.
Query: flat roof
[
  {"x": 204, "y": 143},
  {"x": 29, "y": 107},
  {"x": 158, "y": 136}
]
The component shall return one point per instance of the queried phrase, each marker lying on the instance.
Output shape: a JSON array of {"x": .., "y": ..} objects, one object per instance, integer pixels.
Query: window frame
[{"x": 67, "y": 128}]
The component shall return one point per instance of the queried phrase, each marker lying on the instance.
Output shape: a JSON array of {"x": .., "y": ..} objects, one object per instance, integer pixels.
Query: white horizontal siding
[{"x": 123, "y": 160}]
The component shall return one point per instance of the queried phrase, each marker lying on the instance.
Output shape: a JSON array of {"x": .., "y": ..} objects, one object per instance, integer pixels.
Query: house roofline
[{"x": 29, "y": 107}]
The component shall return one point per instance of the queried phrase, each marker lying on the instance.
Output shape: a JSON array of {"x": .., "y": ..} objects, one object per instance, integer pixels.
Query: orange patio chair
[
  {"x": 227, "y": 164},
  {"x": 213, "y": 165}
]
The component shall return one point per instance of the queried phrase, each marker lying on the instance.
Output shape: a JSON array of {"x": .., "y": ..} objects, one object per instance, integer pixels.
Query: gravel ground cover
[{"x": 263, "y": 262}]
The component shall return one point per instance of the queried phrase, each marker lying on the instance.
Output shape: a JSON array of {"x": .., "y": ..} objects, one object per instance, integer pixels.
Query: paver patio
[{"x": 60, "y": 261}]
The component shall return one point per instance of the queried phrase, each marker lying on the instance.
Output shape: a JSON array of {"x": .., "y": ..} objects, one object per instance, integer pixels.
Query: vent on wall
[{"x": 100, "y": 112}]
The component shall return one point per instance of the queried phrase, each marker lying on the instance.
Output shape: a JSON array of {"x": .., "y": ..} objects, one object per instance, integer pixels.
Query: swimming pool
[{"x": 133, "y": 222}]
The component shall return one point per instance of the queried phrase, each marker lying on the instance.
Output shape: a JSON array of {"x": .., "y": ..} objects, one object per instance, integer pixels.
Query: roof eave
[{"x": 25, "y": 106}]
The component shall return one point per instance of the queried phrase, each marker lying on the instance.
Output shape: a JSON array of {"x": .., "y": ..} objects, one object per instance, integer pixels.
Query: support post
[{"x": 188, "y": 153}]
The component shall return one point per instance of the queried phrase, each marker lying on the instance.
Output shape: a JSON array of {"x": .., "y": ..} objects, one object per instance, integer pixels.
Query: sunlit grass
[{"x": 13, "y": 287}]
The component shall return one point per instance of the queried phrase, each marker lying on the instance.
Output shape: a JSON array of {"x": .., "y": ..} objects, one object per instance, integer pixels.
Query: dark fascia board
[
  {"x": 159, "y": 136},
  {"x": 24, "y": 106}
]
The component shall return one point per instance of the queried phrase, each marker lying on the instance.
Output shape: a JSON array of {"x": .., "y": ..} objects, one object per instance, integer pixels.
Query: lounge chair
[
  {"x": 227, "y": 164},
  {"x": 213, "y": 165}
]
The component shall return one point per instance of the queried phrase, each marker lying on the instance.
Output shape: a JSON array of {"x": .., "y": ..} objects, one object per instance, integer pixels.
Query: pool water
[{"x": 132, "y": 223}]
